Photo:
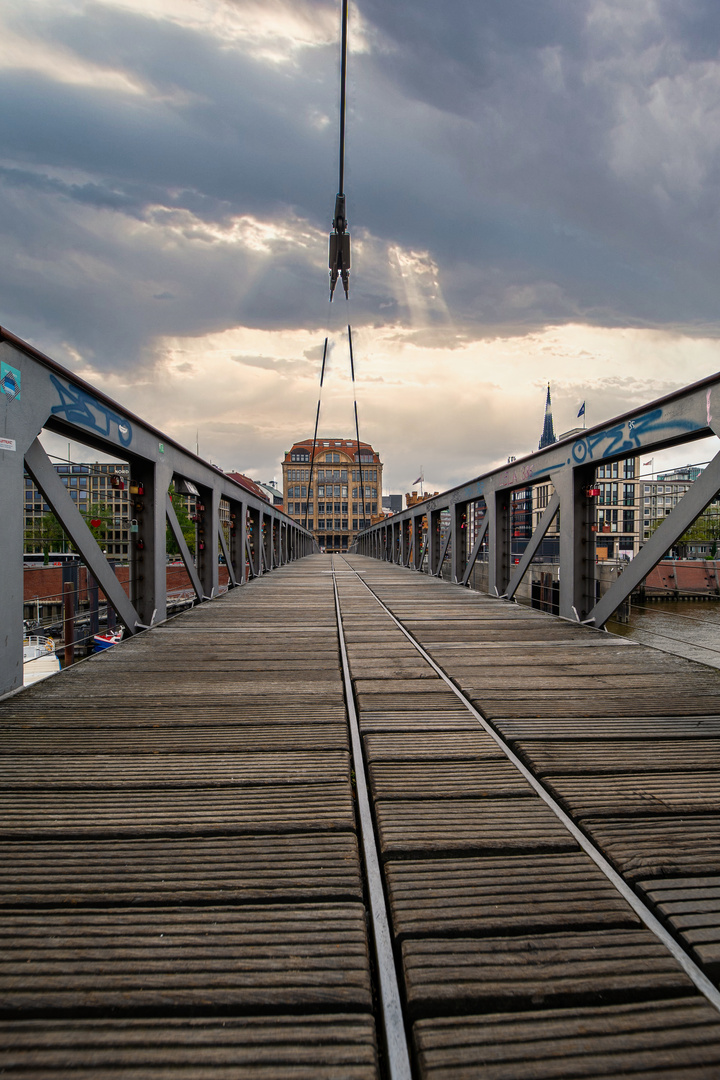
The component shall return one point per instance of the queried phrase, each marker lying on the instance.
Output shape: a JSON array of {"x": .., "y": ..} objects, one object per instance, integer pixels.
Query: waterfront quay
[{"x": 191, "y": 821}]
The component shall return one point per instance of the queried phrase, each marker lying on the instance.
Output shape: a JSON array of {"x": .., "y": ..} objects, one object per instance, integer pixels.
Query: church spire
[{"x": 548, "y": 434}]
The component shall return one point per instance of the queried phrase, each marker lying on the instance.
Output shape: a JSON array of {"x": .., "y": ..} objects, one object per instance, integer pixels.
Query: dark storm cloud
[{"x": 548, "y": 156}]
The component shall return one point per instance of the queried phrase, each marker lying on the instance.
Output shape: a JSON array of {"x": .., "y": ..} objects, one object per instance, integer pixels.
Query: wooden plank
[
  {"x": 593, "y": 756},
  {"x": 235, "y": 738},
  {"x": 587, "y": 967},
  {"x": 312, "y": 955},
  {"x": 663, "y": 846},
  {"x": 675, "y": 1039},
  {"x": 325, "y": 1047},
  {"x": 431, "y": 746},
  {"x": 615, "y": 728},
  {"x": 493, "y": 896},
  {"x": 691, "y": 906},
  {"x": 447, "y": 780},
  {"x": 194, "y": 812},
  {"x": 109, "y": 772},
  {"x": 645, "y": 794},
  {"x": 409, "y": 720},
  {"x": 607, "y": 703},
  {"x": 468, "y": 826},
  {"x": 230, "y": 869}
]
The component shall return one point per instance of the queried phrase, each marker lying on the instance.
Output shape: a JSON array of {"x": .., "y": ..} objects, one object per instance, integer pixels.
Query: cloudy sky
[{"x": 532, "y": 194}]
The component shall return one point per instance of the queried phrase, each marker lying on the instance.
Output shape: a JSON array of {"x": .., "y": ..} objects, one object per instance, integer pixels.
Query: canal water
[{"x": 688, "y": 628}]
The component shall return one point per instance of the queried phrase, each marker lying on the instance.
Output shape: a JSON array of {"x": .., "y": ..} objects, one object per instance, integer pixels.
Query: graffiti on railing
[
  {"x": 79, "y": 407},
  {"x": 626, "y": 438}
]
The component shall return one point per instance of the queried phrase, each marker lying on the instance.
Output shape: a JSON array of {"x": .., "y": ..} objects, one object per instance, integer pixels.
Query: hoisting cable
[
  {"x": 339, "y": 254},
  {"x": 317, "y": 418},
  {"x": 361, "y": 515}
]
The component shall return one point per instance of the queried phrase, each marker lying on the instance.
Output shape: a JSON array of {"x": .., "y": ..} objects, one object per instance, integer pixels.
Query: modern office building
[
  {"x": 337, "y": 489},
  {"x": 104, "y": 488}
]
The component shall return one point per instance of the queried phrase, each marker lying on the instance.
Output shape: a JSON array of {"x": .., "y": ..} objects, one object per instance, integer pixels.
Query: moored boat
[
  {"x": 39, "y": 659},
  {"x": 107, "y": 639}
]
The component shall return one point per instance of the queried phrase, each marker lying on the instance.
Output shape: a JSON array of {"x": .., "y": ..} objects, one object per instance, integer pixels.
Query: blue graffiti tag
[
  {"x": 626, "y": 438},
  {"x": 81, "y": 408}
]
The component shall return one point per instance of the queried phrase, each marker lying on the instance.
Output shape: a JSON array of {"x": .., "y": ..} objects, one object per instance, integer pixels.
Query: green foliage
[
  {"x": 704, "y": 530},
  {"x": 48, "y": 533},
  {"x": 187, "y": 527}
]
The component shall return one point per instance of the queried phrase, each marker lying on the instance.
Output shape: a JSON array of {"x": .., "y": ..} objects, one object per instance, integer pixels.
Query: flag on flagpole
[
  {"x": 581, "y": 410},
  {"x": 419, "y": 479}
]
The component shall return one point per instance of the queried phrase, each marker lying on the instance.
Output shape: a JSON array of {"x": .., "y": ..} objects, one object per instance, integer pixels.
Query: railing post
[
  {"x": 69, "y": 621},
  {"x": 207, "y": 534},
  {"x": 433, "y": 542},
  {"x": 417, "y": 540},
  {"x": 253, "y": 535},
  {"x": 237, "y": 539},
  {"x": 267, "y": 538},
  {"x": 12, "y": 576},
  {"x": 498, "y": 536},
  {"x": 577, "y": 552},
  {"x": 149, "y": 484}
]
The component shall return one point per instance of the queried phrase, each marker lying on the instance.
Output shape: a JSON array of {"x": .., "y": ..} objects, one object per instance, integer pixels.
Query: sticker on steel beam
[{"x": 10, "y": 380}]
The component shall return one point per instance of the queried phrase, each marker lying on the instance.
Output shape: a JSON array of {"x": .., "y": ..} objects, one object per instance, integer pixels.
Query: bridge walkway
[{"x": 181, "y": 873}]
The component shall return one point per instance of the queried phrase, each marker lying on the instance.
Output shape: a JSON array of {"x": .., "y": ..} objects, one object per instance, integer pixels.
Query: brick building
[{"x": 329, "y": 488}]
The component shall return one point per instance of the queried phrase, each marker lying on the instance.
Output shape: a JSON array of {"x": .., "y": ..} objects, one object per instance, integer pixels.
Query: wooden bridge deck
[{"x": 181, "y": 882}]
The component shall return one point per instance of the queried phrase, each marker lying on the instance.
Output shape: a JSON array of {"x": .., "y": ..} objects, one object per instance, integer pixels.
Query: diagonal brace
[
  {"x": 443, "y": 553},
  {"x": 475, "y": 550},
  {"x": 184, "y": 549},
  {"x": 226, "y": 555},
  {"x": 41, "y": 470},
  {"x": 692, "y": 504},
  {"x": 533, "y": 544}
]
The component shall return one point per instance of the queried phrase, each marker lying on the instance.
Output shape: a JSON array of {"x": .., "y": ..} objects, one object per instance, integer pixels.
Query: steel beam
[
  {"x": 12, "y": 576},
  {"x": 577, "y": 549},
  {"x": 148, "y": 546}
]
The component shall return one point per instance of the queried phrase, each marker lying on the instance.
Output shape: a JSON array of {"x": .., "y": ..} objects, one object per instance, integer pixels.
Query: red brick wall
[
  {"x": 688, "y": 575},
  {"x": 45, "y": 582}
]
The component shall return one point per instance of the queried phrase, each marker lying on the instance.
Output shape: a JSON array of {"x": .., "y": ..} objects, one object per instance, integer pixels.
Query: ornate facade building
[{"x": 328, "y": 489}]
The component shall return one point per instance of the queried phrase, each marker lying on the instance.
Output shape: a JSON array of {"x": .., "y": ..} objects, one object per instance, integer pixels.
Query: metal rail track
[
  {"x": 390, "y": 999},
  {"x": 697, "y": 976}
]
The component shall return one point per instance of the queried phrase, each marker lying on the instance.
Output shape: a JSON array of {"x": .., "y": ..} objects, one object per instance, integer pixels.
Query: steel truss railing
[
  {"x": 478, "y": 514},
  {"x": 38, "y": 393}
]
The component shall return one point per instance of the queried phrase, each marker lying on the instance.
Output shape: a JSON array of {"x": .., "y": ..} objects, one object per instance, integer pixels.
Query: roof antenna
[{"x": 339, "y": 259}]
